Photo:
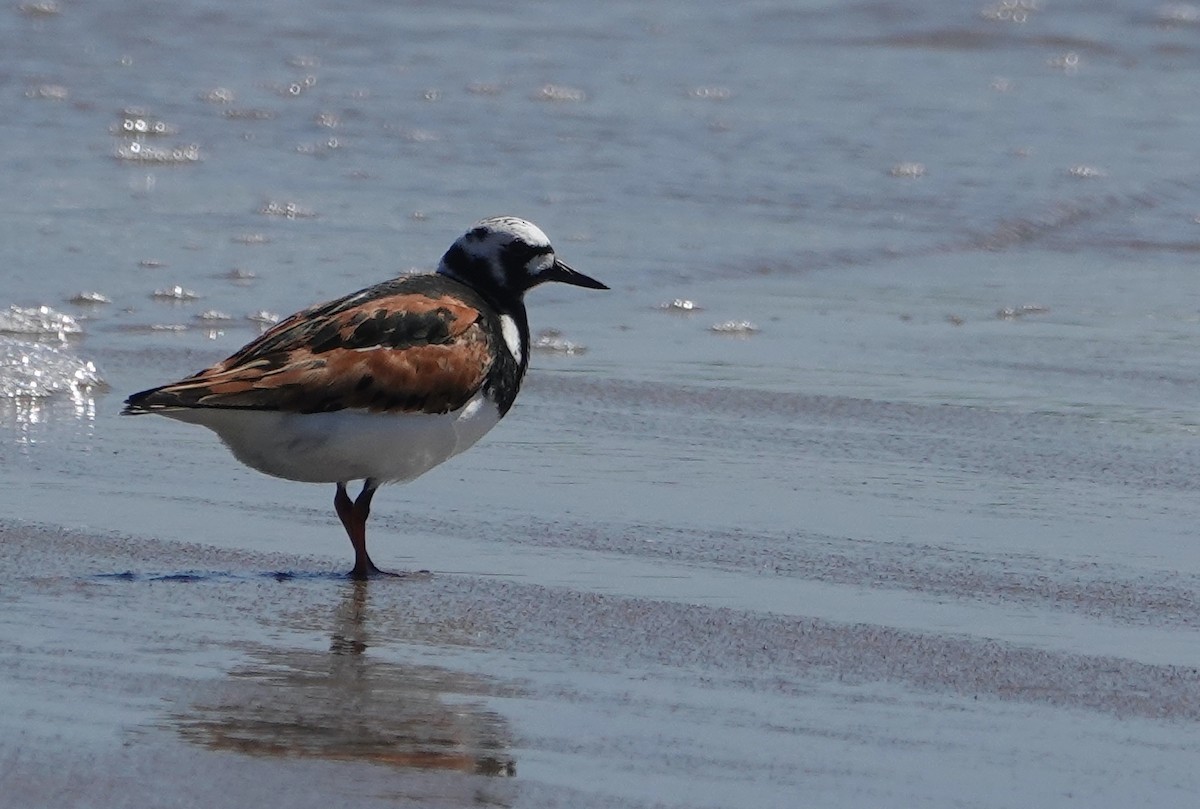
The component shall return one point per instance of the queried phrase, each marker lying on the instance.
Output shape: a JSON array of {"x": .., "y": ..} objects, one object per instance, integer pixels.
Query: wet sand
[
  {"x": 667, "y": 594},
  {"x": 140, "y": 672},
  {"x": 899, "y": 510}
]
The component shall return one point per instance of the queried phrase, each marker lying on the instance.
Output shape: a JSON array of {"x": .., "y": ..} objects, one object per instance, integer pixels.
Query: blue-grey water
[{"x": 873, "y": 480}]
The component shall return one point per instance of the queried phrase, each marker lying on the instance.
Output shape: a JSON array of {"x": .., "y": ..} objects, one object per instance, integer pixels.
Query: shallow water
[{"x": 950, "y": 434}]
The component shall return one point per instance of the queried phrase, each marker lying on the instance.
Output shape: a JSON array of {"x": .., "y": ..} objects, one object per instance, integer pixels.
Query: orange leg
[{"x": 353, "y": 515}]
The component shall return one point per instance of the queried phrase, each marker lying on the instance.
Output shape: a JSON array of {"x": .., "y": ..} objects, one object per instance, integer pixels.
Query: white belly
[{"x": 345, "y": 445}]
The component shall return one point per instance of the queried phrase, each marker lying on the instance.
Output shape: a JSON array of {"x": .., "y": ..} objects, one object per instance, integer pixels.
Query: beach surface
[
  {"x": 872, "y": 482},
  {"x": 178, "y": 674}
]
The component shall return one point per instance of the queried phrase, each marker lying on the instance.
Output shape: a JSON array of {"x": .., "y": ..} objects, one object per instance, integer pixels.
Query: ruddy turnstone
[{"x": 383, "y": 384}]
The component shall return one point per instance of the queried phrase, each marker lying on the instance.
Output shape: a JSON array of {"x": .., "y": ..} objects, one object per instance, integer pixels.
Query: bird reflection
[{"x": 346, "y": 705}]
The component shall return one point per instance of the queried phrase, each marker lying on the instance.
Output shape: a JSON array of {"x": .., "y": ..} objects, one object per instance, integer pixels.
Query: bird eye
[{"x": 523, "y": 254}]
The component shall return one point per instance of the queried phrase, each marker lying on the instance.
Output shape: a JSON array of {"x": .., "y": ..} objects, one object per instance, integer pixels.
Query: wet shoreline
[
  {"x": 450, "y": 684},
  {"x": 870, "y": 483}
]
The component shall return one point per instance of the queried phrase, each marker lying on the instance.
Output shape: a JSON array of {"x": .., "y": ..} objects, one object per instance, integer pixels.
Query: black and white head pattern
[{"x": 502, "y": 256}]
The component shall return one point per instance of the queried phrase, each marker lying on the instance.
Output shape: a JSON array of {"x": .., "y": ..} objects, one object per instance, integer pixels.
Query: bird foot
[{"x": 375, "y": 573}]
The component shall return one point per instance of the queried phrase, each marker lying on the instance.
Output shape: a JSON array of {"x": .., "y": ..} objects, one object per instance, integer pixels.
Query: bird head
[{"x": 506, "y": 257}]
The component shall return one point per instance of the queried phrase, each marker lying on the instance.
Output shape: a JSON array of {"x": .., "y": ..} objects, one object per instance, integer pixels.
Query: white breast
[{"x": 346, "y": 445}]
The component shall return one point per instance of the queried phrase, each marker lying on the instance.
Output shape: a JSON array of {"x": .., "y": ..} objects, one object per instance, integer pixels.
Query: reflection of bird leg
[
  {"x": 347, "y": 705},
  {"x": 349, "y": 632}
]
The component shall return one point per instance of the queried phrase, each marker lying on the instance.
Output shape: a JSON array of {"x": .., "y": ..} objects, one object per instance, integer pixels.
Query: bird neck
[{"x": 501, "y": 298}]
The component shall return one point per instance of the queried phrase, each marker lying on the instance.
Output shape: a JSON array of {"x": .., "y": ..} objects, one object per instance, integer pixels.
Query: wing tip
[{"x": 143, "y": 402}]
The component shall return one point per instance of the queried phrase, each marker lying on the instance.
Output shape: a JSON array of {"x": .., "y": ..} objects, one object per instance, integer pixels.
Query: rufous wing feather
[{"x": 382, "y": 350}]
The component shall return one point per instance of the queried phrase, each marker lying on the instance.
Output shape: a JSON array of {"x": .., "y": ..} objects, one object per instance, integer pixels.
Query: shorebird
[{"x": 383, "y": 384}]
